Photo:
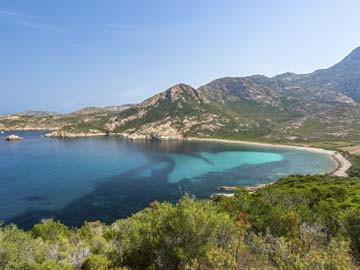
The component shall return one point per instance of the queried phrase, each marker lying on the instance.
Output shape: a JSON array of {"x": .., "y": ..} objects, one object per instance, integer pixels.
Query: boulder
[{"x": 13, "y": 137}]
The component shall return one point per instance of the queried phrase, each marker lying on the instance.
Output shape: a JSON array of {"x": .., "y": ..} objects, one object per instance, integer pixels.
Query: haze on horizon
[{"x": 64, "y": 55}]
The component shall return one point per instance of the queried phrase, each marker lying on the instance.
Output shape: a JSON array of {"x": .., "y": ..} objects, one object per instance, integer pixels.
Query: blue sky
[{"x": 63, "y": 55}]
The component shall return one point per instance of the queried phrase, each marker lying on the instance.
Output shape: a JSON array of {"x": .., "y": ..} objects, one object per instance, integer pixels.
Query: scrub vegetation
[{"x": 300, "y": 222}]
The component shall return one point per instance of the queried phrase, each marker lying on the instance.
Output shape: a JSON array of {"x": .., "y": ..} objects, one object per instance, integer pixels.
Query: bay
[{"x": 106, "y": 178}]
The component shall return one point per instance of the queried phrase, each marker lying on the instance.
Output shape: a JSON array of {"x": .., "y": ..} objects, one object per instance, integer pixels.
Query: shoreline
[{"x": 342, "y": 163}]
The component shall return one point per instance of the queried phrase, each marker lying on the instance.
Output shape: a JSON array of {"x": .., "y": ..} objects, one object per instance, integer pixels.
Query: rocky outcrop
[
  {"x": 177, "y": 93},
  {"x": 67, "y": 134},
  {"x": 258, "y": 89},
  {"x": 13, "y": 137},
  {"x": 154, "y": 131}
]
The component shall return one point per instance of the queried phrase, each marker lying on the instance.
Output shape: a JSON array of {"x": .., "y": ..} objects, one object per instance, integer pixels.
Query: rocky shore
[
  {"x": 250, "y": 189},
  {"x": 66, "y": 134},
  {"x": 247, "y": 188},
  {"x": 148, "y": 135}
]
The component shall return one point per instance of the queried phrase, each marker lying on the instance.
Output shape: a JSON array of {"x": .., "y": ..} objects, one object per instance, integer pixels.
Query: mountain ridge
[
  {"x": 288, "y": 106},
  {"x": 95, "y": 109}
]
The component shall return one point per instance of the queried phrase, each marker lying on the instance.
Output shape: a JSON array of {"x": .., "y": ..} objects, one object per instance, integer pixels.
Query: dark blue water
[{"x": 107, "y": 178}]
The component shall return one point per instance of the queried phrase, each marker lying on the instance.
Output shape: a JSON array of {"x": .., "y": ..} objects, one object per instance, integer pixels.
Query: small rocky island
[{"x": 13, "y": 137}]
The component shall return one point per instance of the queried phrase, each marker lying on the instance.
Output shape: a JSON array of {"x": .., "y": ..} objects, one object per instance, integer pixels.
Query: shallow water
[{"x": 107, "y": 178}]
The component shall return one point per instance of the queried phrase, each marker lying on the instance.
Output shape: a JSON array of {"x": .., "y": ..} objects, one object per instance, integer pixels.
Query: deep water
[{"x": 108, "y": 178}]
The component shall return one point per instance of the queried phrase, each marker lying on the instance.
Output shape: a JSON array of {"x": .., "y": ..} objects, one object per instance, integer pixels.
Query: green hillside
[{"x": 300, "y": 222}]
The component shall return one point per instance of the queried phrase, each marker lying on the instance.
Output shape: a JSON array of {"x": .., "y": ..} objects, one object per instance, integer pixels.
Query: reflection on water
[{"x": 107, "y": 178}]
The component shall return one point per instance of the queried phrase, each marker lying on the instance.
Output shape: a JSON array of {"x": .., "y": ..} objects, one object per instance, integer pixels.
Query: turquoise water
[
  {"x": 107, "y": 178},
  {"x": 191, "y": 167}
]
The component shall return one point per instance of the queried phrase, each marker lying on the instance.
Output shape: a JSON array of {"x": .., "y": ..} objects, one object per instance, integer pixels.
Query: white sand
[{"x": 343, "y": 165}]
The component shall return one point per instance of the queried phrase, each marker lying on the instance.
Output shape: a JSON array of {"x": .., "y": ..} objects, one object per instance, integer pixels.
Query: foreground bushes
[
  {"x": 298, "y": 223},
  {"x": 191, "y": 235}
]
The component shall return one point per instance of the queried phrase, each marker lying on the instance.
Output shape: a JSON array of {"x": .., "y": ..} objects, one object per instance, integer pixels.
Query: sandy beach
[{"x": 343, "y": 164}]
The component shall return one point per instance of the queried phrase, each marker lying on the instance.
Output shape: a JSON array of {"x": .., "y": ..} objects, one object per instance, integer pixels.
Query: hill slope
[
  {"x": 319, "y": 105},
  {"x": 343, "y": 77},
  {"x": 284, "y": 107}
]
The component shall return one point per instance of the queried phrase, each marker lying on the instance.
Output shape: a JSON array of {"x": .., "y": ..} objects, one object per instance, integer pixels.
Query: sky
[{"x": 64, "y": 55}]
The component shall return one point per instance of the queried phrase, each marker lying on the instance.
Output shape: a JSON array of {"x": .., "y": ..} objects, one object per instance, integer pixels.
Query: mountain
[
  {"x": 302, "y": 107},
  {"x": 285, "y": 107},
  {"x": 171, "y": 113},
  {"x": 343, "y": 77}
]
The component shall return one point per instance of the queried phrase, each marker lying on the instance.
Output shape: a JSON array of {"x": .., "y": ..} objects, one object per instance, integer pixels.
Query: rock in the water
[{"x": 13, "y": 137}]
